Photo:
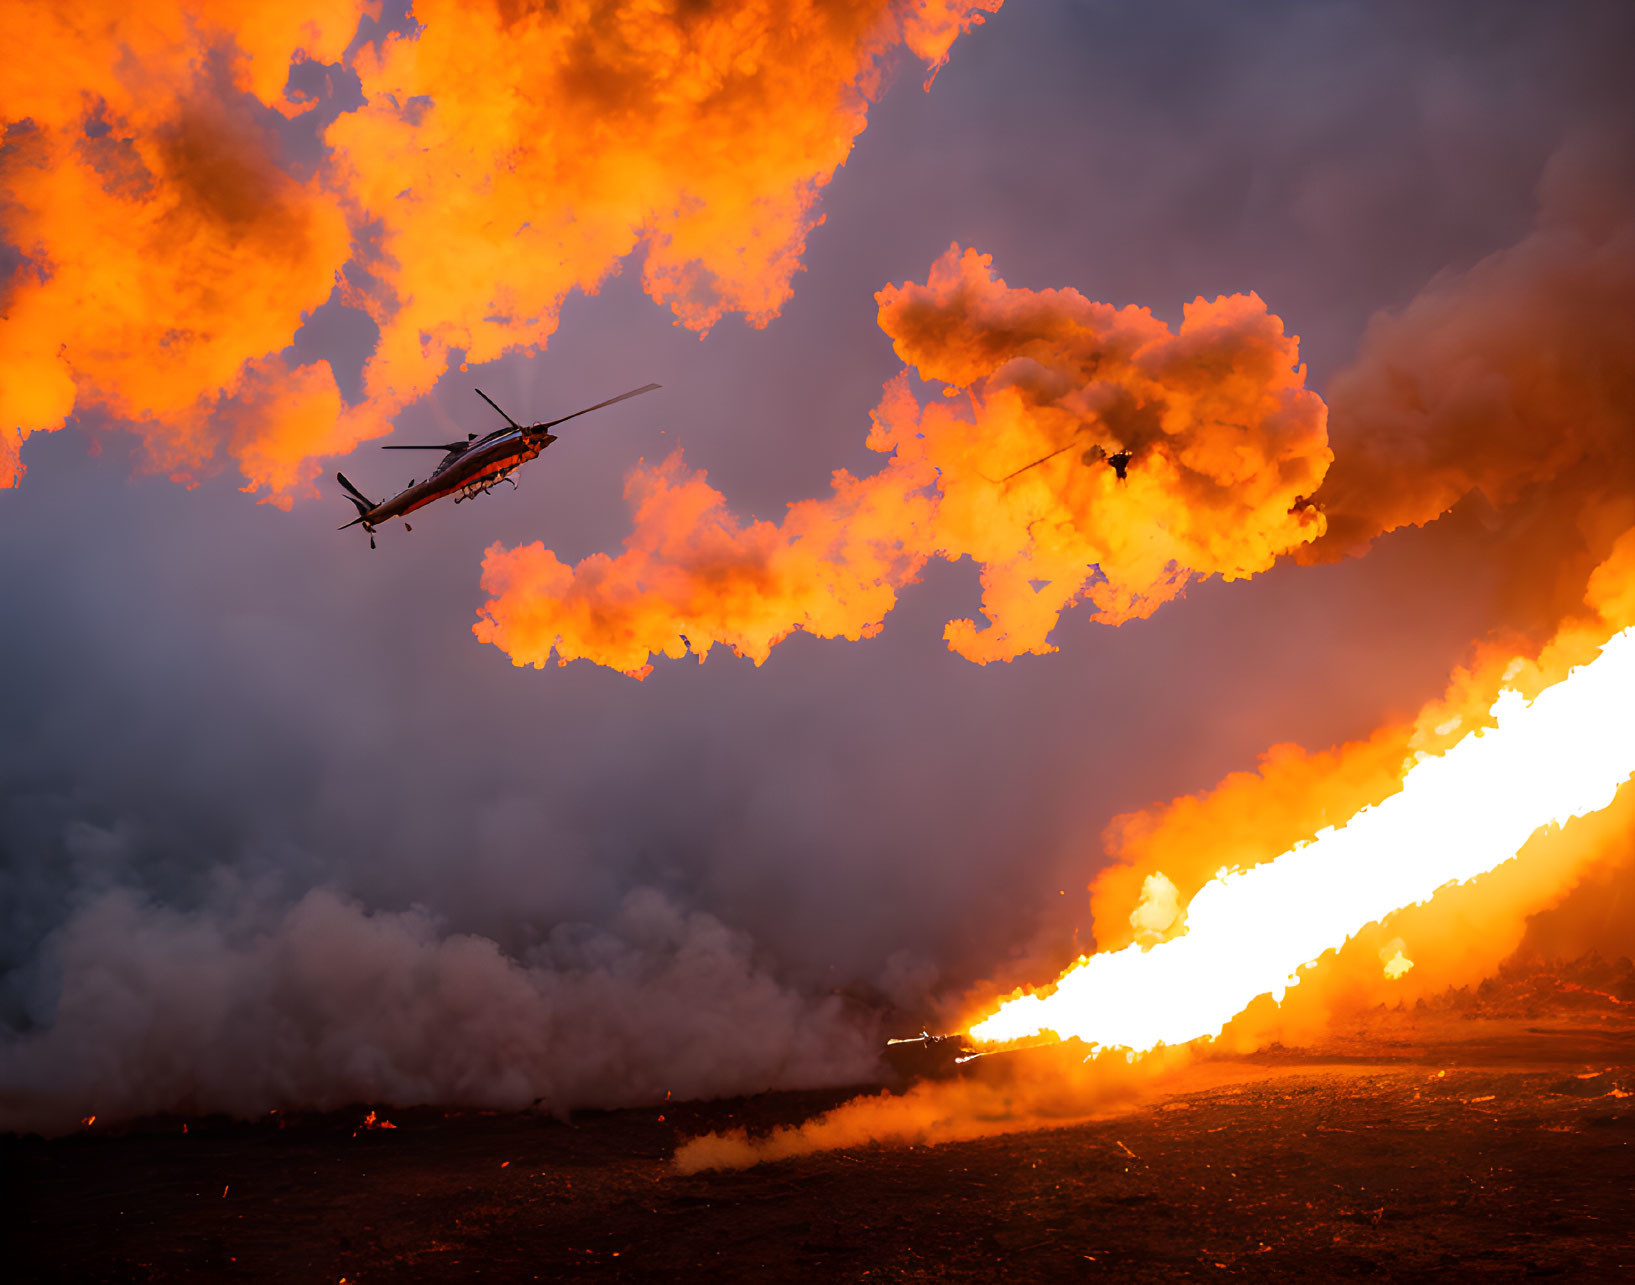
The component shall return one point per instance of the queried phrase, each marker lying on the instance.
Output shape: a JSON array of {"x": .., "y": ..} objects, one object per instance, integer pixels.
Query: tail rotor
[{"x": 364, "y": 505}]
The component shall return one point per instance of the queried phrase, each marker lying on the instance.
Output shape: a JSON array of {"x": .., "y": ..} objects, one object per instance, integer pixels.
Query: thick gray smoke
[
  {"x": 275, "y": 830},
  {"x": 324, "y": 1003},
  {"x": 1514, "y": 374}
]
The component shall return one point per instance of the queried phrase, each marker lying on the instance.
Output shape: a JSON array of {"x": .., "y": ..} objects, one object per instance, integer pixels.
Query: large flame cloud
[
  {"x": 165, "y": 250},
  {"x": 505, "y": 156},
  {"x": 1009, "y": 469}
]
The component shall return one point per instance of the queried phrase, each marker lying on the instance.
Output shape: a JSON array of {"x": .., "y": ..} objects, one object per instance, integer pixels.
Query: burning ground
[{"x": 1479, "y": 1132}]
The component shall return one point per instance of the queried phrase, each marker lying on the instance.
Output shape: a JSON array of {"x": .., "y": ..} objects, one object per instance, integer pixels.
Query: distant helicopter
[
  {"x": 1118, "y": 461},
  {"x": 469, "y": 468}
]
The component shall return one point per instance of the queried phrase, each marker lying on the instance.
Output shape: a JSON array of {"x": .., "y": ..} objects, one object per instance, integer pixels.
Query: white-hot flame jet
[{"x": 1458, "y": 815}]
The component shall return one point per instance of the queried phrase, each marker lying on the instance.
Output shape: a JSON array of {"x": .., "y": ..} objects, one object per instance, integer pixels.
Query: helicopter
[
  {"x": 1118, "y": 461},
  {"x": 468, "y": 469}
]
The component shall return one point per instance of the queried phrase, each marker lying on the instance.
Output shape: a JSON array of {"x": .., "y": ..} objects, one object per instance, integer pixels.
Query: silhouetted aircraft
[
  {"x": 469, "y": 468},
  {"x": 1118, "y": 461}
]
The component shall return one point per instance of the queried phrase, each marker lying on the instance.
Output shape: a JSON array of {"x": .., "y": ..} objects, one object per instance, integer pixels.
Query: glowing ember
[
  {"x": 373, "y": 1121},
  {"x": 1398, "y": 964},
  {"x": 1458, "y": 815}
]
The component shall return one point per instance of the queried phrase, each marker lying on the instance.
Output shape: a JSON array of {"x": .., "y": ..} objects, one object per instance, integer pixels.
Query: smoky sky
[{"x": 245, "y": 762}]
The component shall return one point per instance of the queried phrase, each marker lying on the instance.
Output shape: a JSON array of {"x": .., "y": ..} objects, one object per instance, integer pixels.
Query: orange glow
[
  {"x": 1468, "y": 792},
  {"x": 1225, "y": 440},
  {"x": 504, "y": 159},
  {"x": 1050, "y": 1088},
  {"x": 1249, "y": 933},
  {"x": 1456, "y": 938}
]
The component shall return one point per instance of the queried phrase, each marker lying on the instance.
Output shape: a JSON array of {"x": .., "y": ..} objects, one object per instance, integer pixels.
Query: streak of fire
[{"x": 1457, "y": 815}]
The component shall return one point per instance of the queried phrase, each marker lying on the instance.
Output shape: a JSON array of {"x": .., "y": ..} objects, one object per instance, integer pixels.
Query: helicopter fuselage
[
  {"x": 469, "y": 468},
  {"x": 465, "y": 473}
]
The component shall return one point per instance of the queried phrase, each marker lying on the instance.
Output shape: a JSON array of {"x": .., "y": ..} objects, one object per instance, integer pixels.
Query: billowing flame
[
  {"x": 168, "y": 257},
  {"x": 1009, "y": 468},
  {"x": 1459, "y": 814},
  {"x": 173, "y": 242}
]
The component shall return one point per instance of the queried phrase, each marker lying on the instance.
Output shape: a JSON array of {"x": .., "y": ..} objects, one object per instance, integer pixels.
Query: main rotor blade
[
  {"x": 513, "y": 423},
  {"x": 447, "y": 446},
  {"x": 634, "y": 392},
  {"x": 1042, "y": 459}
]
